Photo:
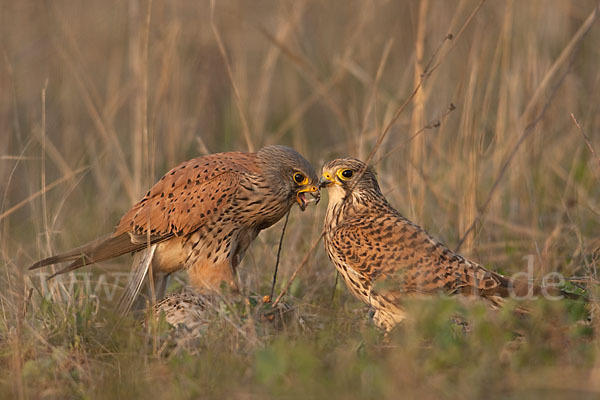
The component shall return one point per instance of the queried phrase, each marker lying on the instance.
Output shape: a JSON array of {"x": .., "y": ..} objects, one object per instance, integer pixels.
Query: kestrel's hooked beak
[
  {"x": 301, "y": 196},
  {"x": 327, "y": 180}
]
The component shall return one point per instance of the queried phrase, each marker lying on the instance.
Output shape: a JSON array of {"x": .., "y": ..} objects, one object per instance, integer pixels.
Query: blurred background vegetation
[{"x": 99, "y": 99}]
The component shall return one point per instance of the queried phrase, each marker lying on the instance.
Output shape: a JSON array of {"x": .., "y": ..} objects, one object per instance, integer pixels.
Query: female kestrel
[
  {"x": 202, "y": 216},
  {"x": 384, "y": 257}
]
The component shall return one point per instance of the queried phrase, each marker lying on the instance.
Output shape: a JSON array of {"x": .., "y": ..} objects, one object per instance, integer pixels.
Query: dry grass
[{"x": 98, "y": 99}]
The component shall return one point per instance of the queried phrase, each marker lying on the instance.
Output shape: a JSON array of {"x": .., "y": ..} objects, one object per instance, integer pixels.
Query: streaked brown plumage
[
  {"x": 202, "y": 216},
  {"x": 190, "y": 314},
  {"x": 383, "y": 257}
]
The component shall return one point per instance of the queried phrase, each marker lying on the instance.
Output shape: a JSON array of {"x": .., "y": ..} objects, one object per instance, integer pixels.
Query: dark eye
[
  {"x": 299, "y": 178},
  {"x": 347, "y": 173}
]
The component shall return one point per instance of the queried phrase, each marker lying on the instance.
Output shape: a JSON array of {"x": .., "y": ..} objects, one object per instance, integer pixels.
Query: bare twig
[
  {"x": 304, "y": 261},
  {"x": 138, "y": 64},
  {"x": 309, "y": 101},
  {"x": 310, "y": 74},
  {"x": 430, "y": 68},
  {"x": 384, "y": 133},
  {"x": 40, "y": 192},
  {"x": 287, "y": 216},
  {"x": 566, "y": 57},
  {"x": 434, "y": 123},
  {"x": 106, "y": 131},
  {"x": 427, "y": 71},
  {"x": 526, "y": 132},
  {"x": 399, "y": 111},
  {"x": 587, "y": 140},
  {"x": 238, "y": 100},
  {"x": 372, "y": 102}
]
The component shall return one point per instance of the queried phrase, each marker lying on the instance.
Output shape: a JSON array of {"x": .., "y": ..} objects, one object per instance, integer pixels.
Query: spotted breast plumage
[
  {"x": 201, "y": 216},
  {"x": 191, "y": 313},
  {"x": 383, "y": 257}
]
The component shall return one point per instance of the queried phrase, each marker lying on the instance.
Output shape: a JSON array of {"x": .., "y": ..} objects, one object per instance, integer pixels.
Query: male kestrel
[
  {"x": 202, "y": 216},
  {"x": 383, "y": 257}
]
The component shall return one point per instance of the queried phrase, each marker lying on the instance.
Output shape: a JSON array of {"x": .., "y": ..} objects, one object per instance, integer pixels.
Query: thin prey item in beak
[{"x": 302, "y": 199}]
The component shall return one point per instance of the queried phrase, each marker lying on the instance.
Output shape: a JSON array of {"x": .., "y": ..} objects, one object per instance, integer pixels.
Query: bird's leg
[{"x": 235, "y": 281}]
